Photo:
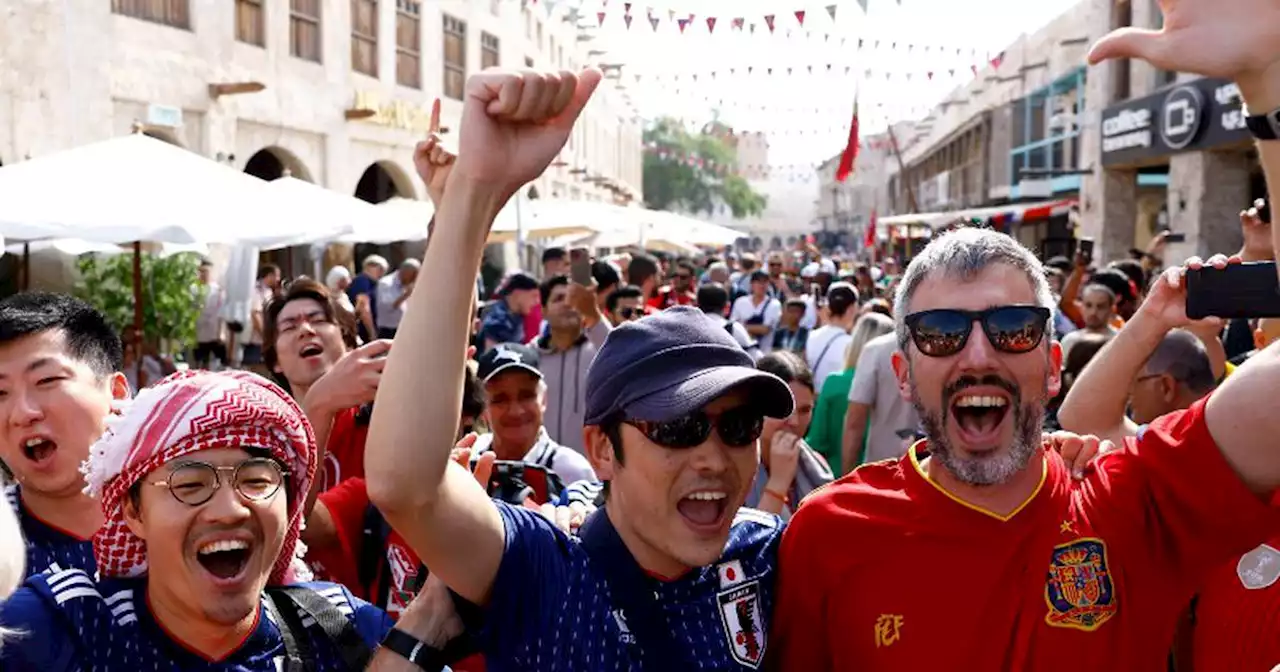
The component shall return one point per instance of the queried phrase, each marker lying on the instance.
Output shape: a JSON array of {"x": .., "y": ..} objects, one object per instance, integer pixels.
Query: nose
[
  {"x": 711, "y": 457},
  {"x": 23, "y": 410},
  {"x": 978, "y": 353},
  {"x": 226, "y": 507}
]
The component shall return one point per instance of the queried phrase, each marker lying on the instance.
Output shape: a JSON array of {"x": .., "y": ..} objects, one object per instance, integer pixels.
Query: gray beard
[{"x": 988, "y": 470}]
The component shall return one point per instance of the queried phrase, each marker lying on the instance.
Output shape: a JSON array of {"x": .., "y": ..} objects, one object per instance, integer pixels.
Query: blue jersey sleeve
[
  {"x": 36, "y": 637},
  {"x": 531, "y": 578}
]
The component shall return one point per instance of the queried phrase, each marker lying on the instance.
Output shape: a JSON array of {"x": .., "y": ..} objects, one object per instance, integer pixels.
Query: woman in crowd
[
  {"x": 789, "y": 469},
  {"x": 826, "y": 432}
]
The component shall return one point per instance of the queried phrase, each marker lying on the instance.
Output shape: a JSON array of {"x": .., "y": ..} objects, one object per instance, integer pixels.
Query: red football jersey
[
  {"x": 344, "y": 454},
  {"x": 883, "y": 570},
  {"x": 1237, "y": 614}
]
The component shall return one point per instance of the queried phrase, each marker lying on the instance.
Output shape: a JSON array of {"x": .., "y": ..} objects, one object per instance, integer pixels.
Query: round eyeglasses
[{"x": 194, "y": 483}]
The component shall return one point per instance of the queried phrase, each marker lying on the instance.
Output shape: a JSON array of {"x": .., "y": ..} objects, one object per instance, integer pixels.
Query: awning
[{"x": 1014, "y": 212}]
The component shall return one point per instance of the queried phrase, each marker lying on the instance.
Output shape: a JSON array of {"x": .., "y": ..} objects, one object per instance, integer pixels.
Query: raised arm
[{"x": 513, "y": 125}]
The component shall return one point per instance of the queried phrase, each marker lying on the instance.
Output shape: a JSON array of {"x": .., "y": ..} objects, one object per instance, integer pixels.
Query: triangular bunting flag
[
  {"x": 974, "y": 68},
  {"x": 768, "y": 20},
  {"x": 800, "y": 17},
  {"x": 951, "y": 72},
  {"x": 683, "y": 23},
  {"x": 711, "y": 24},
  {"x": 831, "y": 9},
  {"x": 863, "y": 3},
  {"x": 930, "y": 74},
  {"x": 600, "y": 17},
  {"x": 626, "y": 7},
  {"x": 626, "y": 18},
  {"x": 653, "y": 21},
  {"x": 737, "y": 24}
]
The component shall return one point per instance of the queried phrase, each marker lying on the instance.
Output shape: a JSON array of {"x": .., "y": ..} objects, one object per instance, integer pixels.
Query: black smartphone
[
  {"x": 513, "y": 482},
  {"x": 1237, "y": 291},
  {"x": 580, "y": 266},
  {"x": 1172, "y": 237},
  {"x": 1085, "y": 248}
]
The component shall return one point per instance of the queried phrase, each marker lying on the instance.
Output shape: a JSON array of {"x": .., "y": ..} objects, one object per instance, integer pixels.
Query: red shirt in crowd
[
  {"x": 344, "y": 453},
  {"x": 883, "y": 570},
  {"x": 1237, "y": 614},
  {"x": 668, "y": 297}
]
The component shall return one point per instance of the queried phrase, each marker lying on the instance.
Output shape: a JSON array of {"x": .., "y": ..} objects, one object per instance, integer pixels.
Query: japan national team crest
[
  {"x": 744, "y": 626},
  {"x": 1079, "y": 591}
]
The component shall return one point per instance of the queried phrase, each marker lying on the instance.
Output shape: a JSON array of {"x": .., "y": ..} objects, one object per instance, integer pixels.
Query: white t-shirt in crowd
[
  {"x": 737, "y": 331},
  {"x": 563, "y": 461},
  {"x": 745, "y": 308},
  {"x": 825, "y": 352}
]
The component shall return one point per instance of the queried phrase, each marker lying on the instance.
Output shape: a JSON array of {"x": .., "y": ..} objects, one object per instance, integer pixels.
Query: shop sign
[
  {"x": 1201, "y": 114},
  {"x": 395, "y": 114}
]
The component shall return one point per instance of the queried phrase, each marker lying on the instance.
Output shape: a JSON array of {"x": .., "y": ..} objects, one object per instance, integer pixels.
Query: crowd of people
[{"x": 794, "y": 462}]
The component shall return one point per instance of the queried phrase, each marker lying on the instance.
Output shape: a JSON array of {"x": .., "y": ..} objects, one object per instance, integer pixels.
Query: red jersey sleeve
[
  {"x": 347, "y": 504},
  {"x": 1191, "y": 505},
  {"x": 794, "y": 641},
  {"x": 344, "y": 453}
]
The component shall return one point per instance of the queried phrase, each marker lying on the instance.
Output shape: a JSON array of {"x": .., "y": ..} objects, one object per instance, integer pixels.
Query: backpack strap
[
  {"x": 298, "y": 655},
  {"x": 373, "y": 553},
  {"x": 339, "y": 629}
]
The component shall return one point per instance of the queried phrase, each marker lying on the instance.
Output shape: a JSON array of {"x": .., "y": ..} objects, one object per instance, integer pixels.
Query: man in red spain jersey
[{"x": 1024, "y": 569}]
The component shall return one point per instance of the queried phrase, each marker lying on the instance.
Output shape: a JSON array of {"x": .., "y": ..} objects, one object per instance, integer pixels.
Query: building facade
[
  {"x": 844, "y": 209},
  {"x": 1167, "y": 151},
  {"x": 335, "y": 92}
]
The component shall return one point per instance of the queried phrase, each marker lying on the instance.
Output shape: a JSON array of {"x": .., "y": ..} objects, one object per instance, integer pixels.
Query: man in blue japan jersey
[
  {"x": 202, "y": 483},
  {"x": 60, "y": 367},
  {"x": 666, "y": 576}
]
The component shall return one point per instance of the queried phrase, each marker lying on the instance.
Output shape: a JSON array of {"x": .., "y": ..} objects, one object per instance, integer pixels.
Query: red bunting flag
[
  {"x": 800, "y": 16},
  {"x": 711, "y": 24},
  {"x": 995, "y": 62},
  {"x": 600, "y": 17},
  {"x": 851, "y": 149},
  {"x": 869, "y": 241},
  {"x": 683, "y": 23},
  {"x": 768, "y": 20},
  {"x": 737, "y": 24}
]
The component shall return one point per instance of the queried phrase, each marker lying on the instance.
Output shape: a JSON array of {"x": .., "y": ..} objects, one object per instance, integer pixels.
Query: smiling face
[
  {"x": 981, "y": 408},
  {"x": 214, "y": 557},
  {"x": 798, "y": 422},
  {"x": 514, "y": 411},
  {"x": 53, "y": 407},
  {"x": 308, "y": 343},
  {"x": 676, "y": 503}
]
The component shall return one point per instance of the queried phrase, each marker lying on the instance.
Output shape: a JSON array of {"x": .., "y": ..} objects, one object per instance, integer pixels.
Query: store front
[{"x": 1180, "y": 159}]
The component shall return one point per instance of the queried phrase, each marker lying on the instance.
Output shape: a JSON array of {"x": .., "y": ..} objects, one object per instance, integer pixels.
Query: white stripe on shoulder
[
  {"x": 74, "y": 593},
  {"x": 749, "y": 515},
  {"x": 68, "y": 578}
]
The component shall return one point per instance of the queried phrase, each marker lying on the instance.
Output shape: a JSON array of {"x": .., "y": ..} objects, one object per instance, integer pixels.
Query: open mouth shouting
[
  {"x": 311, "y": 352},
  {"x": 39, "y": 449},
  {"x": 705, "y": 511},
  {"x": 225, "y": 560},
  {"x": 979, "y": 418}
]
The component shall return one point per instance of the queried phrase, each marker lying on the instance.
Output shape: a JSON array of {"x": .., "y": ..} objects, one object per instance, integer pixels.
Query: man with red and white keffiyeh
[{"x": 203, "y": 480}]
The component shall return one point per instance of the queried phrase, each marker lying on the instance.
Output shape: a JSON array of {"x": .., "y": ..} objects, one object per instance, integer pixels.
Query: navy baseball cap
[
  {"x": 505, "y": 357},
  {"x": 668, "y": 365}
]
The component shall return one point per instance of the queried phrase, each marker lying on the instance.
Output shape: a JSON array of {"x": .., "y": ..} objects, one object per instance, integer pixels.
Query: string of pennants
[
  {"x": 792, "y": 172},
  {"x": 684, "y": 20},
  {"x": 799, "y": 70}
]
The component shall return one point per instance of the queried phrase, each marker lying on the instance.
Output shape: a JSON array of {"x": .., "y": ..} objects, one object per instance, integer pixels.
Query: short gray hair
[
  {"x": 961, "y": 255},
  {"x": 1183, "y": 357}
]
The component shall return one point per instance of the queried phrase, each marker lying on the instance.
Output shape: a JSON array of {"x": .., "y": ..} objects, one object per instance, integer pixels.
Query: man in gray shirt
[{"x": 875, "y": 396}]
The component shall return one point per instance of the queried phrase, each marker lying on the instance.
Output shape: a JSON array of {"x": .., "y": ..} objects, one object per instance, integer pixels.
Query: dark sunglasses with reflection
[
  {"x": 738, "y": 427},
  {"x": 1012, "y": 329}
]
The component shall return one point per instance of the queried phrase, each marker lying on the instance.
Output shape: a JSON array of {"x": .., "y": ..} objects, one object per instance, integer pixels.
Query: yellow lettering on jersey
[{"x": 888, "y": 629}]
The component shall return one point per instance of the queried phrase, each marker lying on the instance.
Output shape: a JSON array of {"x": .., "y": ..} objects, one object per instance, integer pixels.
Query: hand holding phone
[
  {"x": 580, "y": 266},
  {"x": 1237, "y": 291},
  {"x": 1084, "y": 251}
]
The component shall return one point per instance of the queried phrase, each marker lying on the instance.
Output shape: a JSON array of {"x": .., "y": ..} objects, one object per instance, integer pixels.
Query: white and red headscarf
[{"x": 184, "y": 413}]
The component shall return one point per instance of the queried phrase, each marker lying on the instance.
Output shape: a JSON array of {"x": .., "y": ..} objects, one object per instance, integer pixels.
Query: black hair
[
  {"x": 788, "y": 366},
  {"x": 90, "y": 338},
  {"x": 641, "y": 268},
  {"x": 1099, "y": 287},
  {"x": 623, "y": 292},
  {"x": 549, "y": 285},
  {"x": 605, "y": 274},
  {"x": 713, "y": 298},
  {"x": 267, "y": 269},
  {"x": 841, "y": 298},
  {"x": 553, "y": 254},
  {"x": 1133, "y": 270},
  {"x": 759, "y": 276},
  {"x": 472, "y": 394},
  {"x": 1115, "y": 281},
  {"x": 1059, "y": 262}
]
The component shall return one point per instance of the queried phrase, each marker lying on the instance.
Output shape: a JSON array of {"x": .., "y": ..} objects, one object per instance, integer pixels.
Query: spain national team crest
[
  {"x": 1080, "y": 592},
  {"x": 742, "y": 617}
]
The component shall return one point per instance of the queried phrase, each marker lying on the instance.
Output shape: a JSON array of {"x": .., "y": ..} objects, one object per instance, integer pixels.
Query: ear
[
  {"x": 902, "y": 369},
  {"x": 133, "y": 518},
  {"x": 599, "y": 452},
  {"x": 119, "y": 387},
  {"x": 1054, "y": 375},
  {"x": 1259, "y": 338},
  {"x": 1168, "y": 388}
]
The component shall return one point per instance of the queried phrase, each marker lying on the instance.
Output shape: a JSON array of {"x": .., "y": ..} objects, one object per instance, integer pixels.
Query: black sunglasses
[
  {"x": 628, "y": 312},
  {"x": 1011, "y": 329},
  {"x": 738, "y": 427}
]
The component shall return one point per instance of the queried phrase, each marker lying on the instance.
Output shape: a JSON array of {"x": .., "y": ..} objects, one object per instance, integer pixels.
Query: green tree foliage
[
  {"x": 674, "y": 179},
  {"x": 171, "y": 297}
]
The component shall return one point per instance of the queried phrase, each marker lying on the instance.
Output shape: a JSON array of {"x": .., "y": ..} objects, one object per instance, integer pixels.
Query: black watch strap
[
  {"x": 413, "y": 650},
  {"x": 1264, "y": 126}
]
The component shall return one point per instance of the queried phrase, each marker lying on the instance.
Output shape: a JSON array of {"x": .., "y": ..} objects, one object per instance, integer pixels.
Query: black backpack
[{"x": 287, "y": 604}]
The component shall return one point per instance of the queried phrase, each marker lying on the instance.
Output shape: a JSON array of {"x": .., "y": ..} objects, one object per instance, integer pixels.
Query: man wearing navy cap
[
  {"x": 669, "y": 574},
  {"x": 515, "y": 403}
]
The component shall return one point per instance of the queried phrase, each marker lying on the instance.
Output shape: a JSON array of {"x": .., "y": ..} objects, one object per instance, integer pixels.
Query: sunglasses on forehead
[
  {"x": 738, "y": 428},
  {"x": 1010, "y": 329}
]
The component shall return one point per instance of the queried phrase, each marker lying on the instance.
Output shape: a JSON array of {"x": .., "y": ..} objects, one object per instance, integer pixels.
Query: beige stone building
[{"x": 335, "y": 92}]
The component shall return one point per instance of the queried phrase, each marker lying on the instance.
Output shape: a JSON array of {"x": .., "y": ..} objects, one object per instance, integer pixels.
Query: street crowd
[{"x": 981, "y": 461}]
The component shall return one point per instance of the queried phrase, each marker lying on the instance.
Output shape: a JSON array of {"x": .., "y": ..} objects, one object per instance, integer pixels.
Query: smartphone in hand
[
  {"x": 580, "y": 266},
  {"x": 1237, "y": 291}
]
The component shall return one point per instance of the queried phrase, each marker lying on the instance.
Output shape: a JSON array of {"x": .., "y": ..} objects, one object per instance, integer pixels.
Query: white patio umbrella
[
  {"x": 332, "y": 211},
  {"x": 137, "y": 188},
  {"x": 553, "y": 219}
]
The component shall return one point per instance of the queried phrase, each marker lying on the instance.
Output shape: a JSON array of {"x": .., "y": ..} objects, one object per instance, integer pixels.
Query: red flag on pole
[
  {"x": 869, "y": 241},
  {"x": 851, "y": 149}
]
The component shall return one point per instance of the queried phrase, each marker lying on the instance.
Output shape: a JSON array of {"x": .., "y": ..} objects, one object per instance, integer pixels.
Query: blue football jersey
[
  {"x": 551, "y": 607},
  {"x": 583, "y": 492},
  {"x": 48, "y": 548},
  {"x": 69, "y": 623}
]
